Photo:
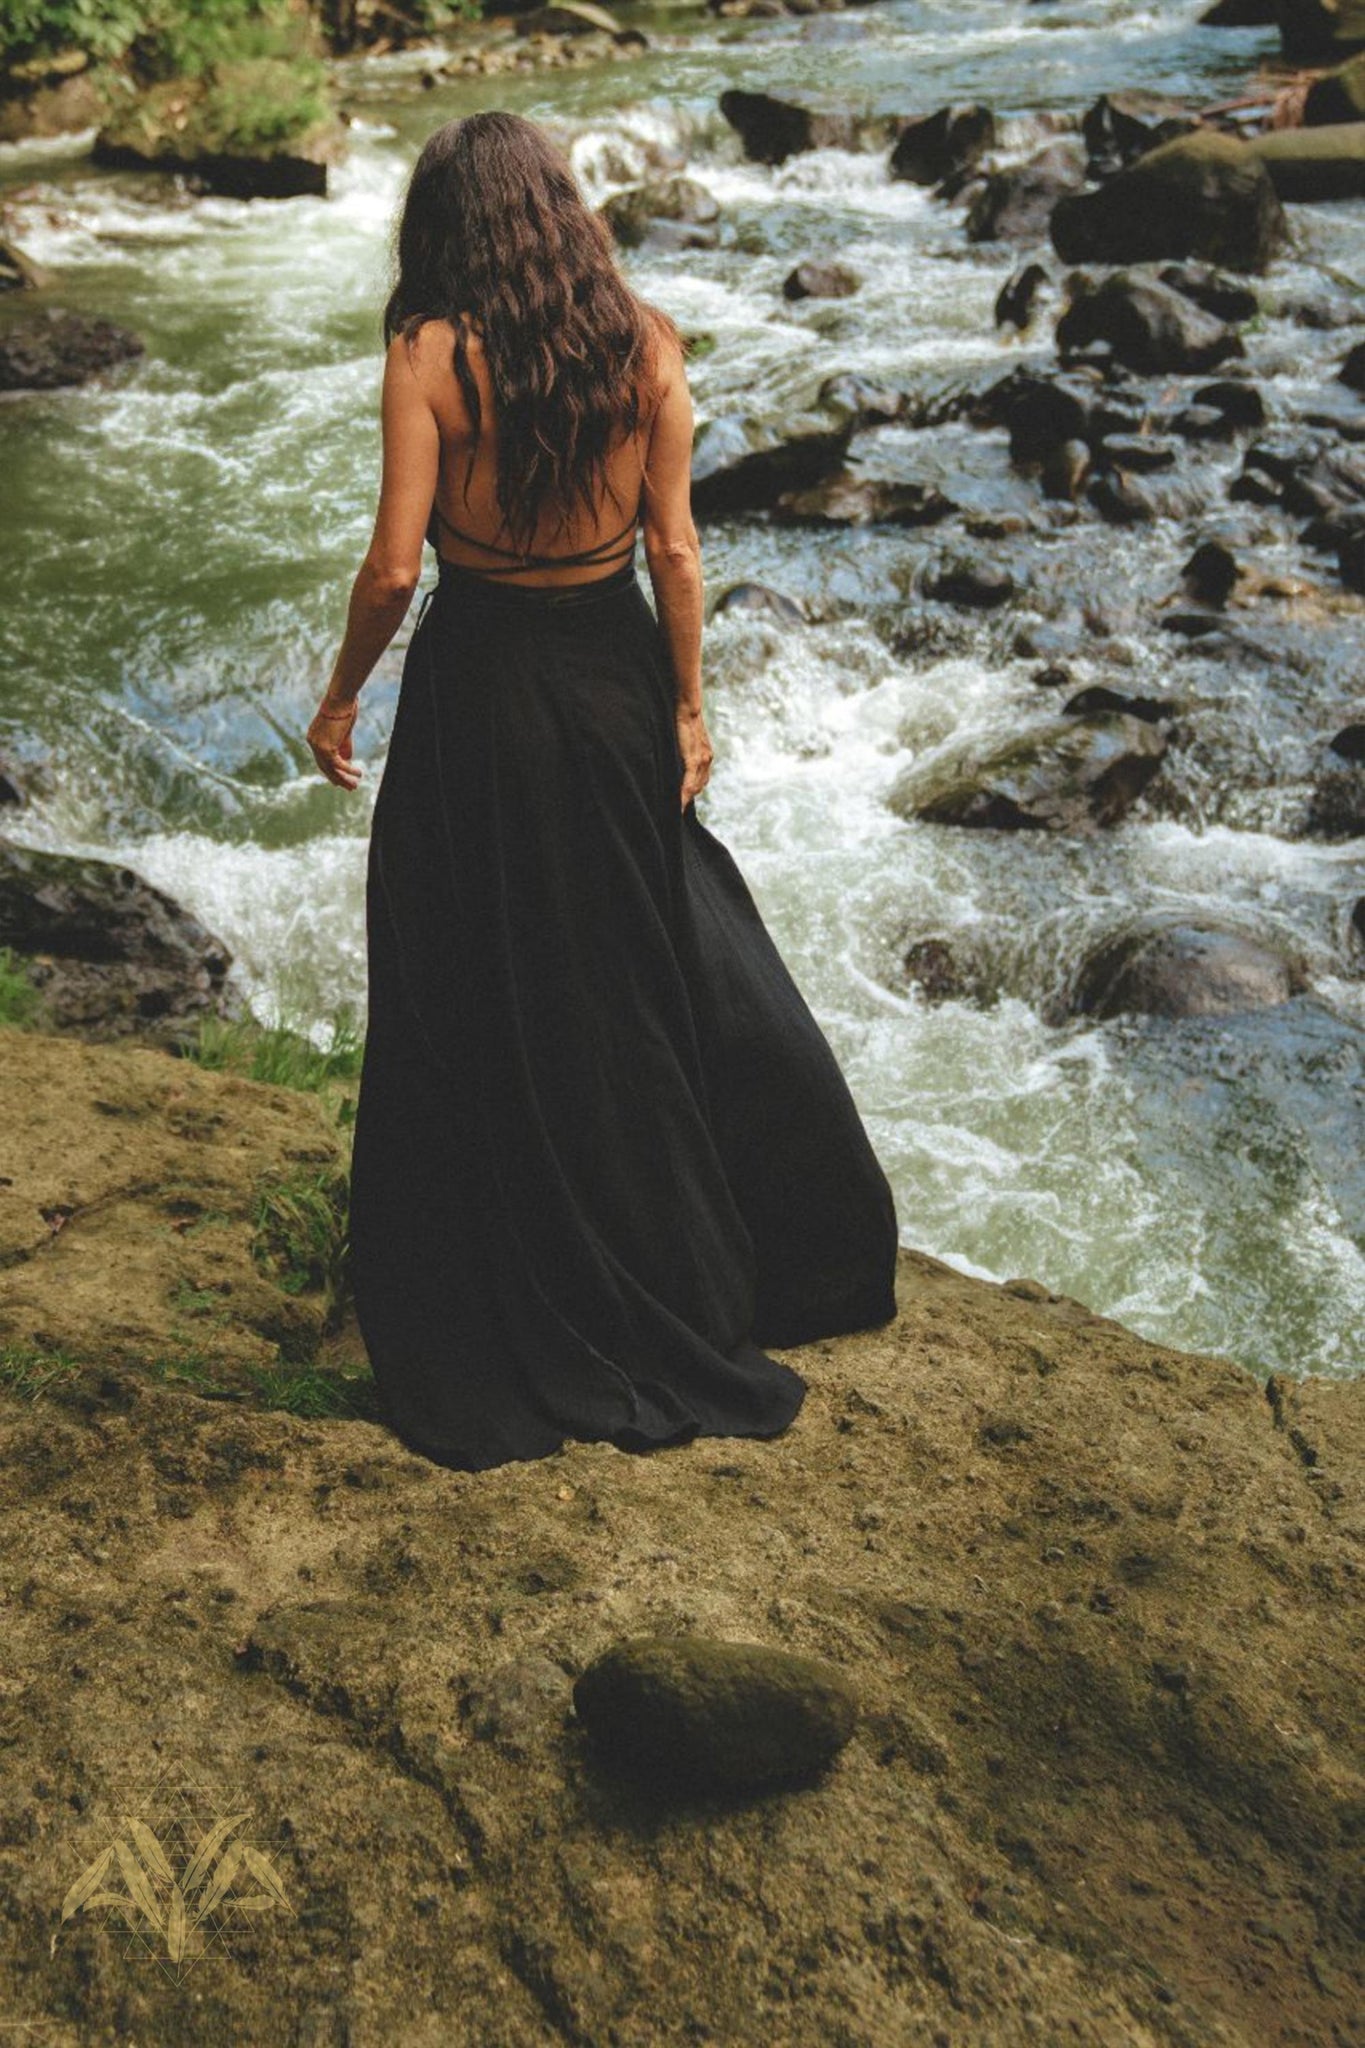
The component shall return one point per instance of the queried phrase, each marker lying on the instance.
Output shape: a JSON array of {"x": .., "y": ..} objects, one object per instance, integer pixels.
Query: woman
[{"x": 602, "y": 1153}]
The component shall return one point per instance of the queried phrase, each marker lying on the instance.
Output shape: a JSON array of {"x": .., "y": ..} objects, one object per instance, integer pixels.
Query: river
[{"x": 179, "y": 547}]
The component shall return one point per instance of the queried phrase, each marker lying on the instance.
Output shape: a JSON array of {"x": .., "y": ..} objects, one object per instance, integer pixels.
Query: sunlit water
[{"x": 179, "y": 548}]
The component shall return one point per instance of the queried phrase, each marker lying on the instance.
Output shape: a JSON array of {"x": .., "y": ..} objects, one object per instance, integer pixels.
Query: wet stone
[{"x": 700, "y": 1714}]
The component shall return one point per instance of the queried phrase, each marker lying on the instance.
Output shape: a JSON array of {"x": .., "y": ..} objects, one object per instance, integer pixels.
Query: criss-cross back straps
[{"x": 584, "y": 556}]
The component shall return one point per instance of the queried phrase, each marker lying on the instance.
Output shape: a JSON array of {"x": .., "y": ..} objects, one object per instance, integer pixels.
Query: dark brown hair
[{"x": 495, "y": 229}]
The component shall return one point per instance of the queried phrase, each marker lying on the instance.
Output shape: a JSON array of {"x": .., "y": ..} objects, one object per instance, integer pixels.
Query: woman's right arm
[{"x": 673, "y": 558}]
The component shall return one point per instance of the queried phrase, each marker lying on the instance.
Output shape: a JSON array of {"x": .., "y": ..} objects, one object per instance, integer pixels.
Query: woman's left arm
[{"x": 389, "y": 574}]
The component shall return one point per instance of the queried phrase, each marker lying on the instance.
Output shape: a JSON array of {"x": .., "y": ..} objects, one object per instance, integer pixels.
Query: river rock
[
  {"x": 1121, "y": 500},
  {"x": 850, "y": 499},
  {"x": 1320, "y": 31},
  {"x": 1210, "y": 574},
  {"x": 1337, "y": 96},
  {"x": 743, "y": 462},
  {"x": 820, "y": 280},
  {"x": 568, "y": 18},
  {"x": 867, "y": 401},
  {"x": 1305, "y": 471},
  {"x": 1306, "y": 164},
  {"x": 712, "y": 1716},
  {"x": 1239, "y": 401},
  {"x": 932, "y": 148},
  {"x": 1043, "y": 409},
  {"x": 198, "y": 127},
  {"x": 669, "y": 213},
  {"x": 47, "y": 350},
  {"x": 1065, "y": 775},
  {"x": 1172, "y": 965},
  {"x": 1015, "y": 202},
  {"x": 1336, "y": 802},
  {"x": 932, "y": 966},
  {"x": 1240, "y": 14},
  {"x": 18, "y": 273},
  {"x": 1204, "y": 194},
  {"x": 970, "y": 581},
  {"x": 110, "y": 953},
  {"x": 1122, "y": 126},
  {"x": 1148, "y": 327},
  {"x": 1142, "y": 452},
  {"x": 1022, "y": 296},
  {"x": 1099, "y": 697},
  {"x": 1210, "y": 289},
  {"x": 771, "y": 130},
  {"x": 760, "y": 598}
]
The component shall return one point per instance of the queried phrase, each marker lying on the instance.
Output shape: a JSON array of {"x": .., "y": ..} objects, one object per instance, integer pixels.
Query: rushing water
[{"x": 179, "y": 548}]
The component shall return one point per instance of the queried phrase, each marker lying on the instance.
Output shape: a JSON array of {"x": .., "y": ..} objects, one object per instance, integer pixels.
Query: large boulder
[
  {"x": 938, "y": 145},
  {"x": 1067, "y": 774},
  {"x": 1205, "y": 195},
  {"x": 695, "y": 1714},
  {"x": 744, "y": 462},
  {"x": 109, "y": 954},
  {"x": 1314, "y": 163},
  {"x": 1147, "y": 326},
  {"x": 1337, "y": 96},
  {"x": 1319, "y": 31},
  {"x": 1174, "y": 965},
  {"x": 44, "y": 351},
  {"x": 1014, "y": 204},
  {"x": 1122, "y": 126},
  {"x": 771, "y": 130},
  {"x": 670, "y": 213},
  {"x": 262, "y": 129}
]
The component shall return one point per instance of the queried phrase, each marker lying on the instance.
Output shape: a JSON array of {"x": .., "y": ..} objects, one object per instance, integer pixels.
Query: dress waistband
[{"x": 474, "y": 587}]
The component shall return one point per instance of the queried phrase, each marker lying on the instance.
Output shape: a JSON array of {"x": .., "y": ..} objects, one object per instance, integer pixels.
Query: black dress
[{"x": 603, "y": 1153}]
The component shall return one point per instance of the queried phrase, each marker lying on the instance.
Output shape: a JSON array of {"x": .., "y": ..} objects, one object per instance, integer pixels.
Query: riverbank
[{"x": 1098, "y": 1600}]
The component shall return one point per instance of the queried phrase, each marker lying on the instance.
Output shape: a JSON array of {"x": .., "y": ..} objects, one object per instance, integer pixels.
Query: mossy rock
[
  {"x": 261, "y": 129},
  {"x": 1338, "y": 96},
  {"x": 707, "y": 1715},
  {"x": 1314, "y": 163},
  {"x": 1205, "y": 195}
]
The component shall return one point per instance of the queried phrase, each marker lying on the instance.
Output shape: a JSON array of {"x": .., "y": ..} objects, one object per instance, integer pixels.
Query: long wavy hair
[{"x": 494, "y": 228}]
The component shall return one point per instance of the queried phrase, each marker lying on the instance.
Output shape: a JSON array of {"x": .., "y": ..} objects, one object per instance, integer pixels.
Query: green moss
[
  {"x": 28, "y": 1371},
  {"x": 299, "y": 1233},
  {"x": 20, "y": 1002}
]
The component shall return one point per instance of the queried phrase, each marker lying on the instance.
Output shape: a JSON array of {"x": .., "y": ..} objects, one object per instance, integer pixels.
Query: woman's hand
[
  {"x": 694, "y": 743},
  {"x": 330, "y": 738}
]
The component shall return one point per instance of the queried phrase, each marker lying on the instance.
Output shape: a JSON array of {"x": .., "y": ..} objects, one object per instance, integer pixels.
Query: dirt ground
[{"x": 1099, "y": 1601}]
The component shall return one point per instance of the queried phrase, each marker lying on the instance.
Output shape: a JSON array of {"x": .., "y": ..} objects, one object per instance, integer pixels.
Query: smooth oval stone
[{"x": 711, "y": 1715}]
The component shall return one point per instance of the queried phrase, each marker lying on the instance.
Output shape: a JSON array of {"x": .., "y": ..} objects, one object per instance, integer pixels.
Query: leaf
[
  {"x": 153, "y": 1855},
  {"x": 226, "y": 1872},
  {"x": 208, "y": 1849},
  {"x": 85, "y": 1884},
  {"x": 255, "y": 1902},
  {"x": 135, "y": 1877},
  {"x": 175, "y": 1925},
  {"x": 264, "y": 1871}
]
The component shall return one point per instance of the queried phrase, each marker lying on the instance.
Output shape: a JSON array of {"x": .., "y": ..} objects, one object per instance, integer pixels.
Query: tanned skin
[{"x": 428, "y": 436}]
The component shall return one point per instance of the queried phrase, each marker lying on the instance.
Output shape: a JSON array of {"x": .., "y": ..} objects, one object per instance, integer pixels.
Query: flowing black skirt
[{"x": 603, "y": 1153}]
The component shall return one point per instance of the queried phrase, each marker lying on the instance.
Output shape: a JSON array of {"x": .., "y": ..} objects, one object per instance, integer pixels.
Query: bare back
[{"x": 478, "y": 516}]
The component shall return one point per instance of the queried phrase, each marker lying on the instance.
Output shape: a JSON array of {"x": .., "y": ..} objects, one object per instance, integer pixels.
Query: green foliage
[
  {"x": 160, "y": 38},
  {"x": 308, "y": 1392},
  {"x": 27, "y": 1371},
  {"x": 282, "y": 1054},
  {"x": 299, "y": 1233},
  {"x": 262, "y": 103},
  {"x": 20, "y": 1002}
]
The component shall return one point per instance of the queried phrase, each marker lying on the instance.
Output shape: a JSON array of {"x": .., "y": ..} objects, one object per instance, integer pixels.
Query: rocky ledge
[{"x": 1077, "y": 1616}]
